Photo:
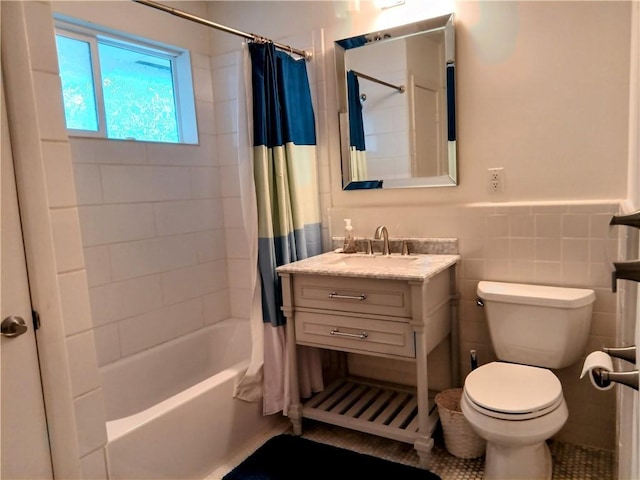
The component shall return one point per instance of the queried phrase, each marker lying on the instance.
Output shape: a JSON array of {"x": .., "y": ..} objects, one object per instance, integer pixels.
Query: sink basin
[{"x": 373, "y": 261}]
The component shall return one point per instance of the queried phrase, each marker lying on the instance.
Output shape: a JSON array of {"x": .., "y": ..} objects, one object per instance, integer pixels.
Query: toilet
[{"x": 516, "y": 403}]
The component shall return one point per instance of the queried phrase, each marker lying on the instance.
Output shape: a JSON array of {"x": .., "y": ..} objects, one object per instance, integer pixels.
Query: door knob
[{"x": 13, "y": 326}]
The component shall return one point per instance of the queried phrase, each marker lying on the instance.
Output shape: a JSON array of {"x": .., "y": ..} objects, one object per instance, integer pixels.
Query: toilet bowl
[
  {"x": 515, "y": 408},
  {"x": 516, "y": 403}
]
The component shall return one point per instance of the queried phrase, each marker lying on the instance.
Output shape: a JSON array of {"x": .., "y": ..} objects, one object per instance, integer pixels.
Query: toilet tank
[{"x": 535, "y": 324}]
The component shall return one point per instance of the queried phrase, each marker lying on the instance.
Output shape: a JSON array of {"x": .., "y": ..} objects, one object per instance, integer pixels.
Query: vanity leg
[
  {"x": 423, "y": 446},
  {"x": 295, "y": 407},
  {"x": 295, "y": 415}
]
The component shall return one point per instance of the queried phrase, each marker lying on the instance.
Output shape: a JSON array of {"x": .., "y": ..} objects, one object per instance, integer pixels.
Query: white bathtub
[{"x": 171, "y": 409}]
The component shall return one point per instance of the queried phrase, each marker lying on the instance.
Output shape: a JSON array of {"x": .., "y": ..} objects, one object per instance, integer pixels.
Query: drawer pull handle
[
  {"x": 362, "y": 296},
  {"x": 337, "y": 332}
]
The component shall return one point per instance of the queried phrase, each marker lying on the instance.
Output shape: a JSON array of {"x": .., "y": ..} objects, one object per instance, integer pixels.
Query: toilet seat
[{"x": 513, "y": 392}]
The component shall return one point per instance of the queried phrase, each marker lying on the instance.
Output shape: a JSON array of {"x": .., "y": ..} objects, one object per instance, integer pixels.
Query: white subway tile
[
  {"x": 205, "y": 182},
  {"x": 237, "y": 243},
  {"x": 225, "y": 83},
  {"x": 56, "y": 158},
  {"x": 107, "y": 151},
  {"x": 107, "y": 344},
  {"x": 206, "y": 118},
  {"x": 88, "y": 183},
  {"x": 145, "y": 257},
  {"x": 216, "y": 306},
  {"x": 48, "y": 95},
  {"x": 226, "y": 116},
  {"x": 210, "y": 245},
  {"x": 239, "y": 272},
  {"x": 182, "y": 154},
  {"x": 94, "y": 466},
  {"x": 233, "y": 217},
  {"x": 90, "y": 422},
  {"x": 67, "y": 240},
  {"x": 42, "y": 50},
  {"x": 105, "y": 224},
  {"x": 199, "y": 60},
  {"x": 120, "y": 300},
  {"x": 202, "y": 84},
  {"x": 188, "y": 216},
  {"x": 228, "y": 149},
  {"x": 98, "y": 265},
  {"x": 153, "y": 328},
  {"x": 140, "y": 184},
  {"x": 225, "y": 59},
  {"x": 83, "y": 364},
  {"x": 74, "y": 302},
  {"x": 239, "y": 303},
  {"x": 192, "y": 282},
  {"x": 230, "y": 181}
]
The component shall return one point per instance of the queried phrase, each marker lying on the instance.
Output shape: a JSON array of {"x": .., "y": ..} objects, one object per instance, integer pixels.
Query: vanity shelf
[
  {"x": 399, "y": 308},
  {"x": 378, "y": 408}
]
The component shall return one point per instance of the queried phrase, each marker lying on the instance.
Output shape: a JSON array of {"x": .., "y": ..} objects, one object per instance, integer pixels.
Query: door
[{"x": 24, "y": 442}]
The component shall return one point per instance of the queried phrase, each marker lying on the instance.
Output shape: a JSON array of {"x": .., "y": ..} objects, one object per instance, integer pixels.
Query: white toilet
[{"x": 516, "y": 404}]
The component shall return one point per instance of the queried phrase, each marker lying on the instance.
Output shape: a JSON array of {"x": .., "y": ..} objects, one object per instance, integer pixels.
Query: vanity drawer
[
  {"x": 355, "y": 334},
  {"x": 359, "y": 295}
]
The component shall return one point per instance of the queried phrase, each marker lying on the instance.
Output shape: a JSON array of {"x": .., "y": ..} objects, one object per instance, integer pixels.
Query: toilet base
[{"x": 530, "y": 462}]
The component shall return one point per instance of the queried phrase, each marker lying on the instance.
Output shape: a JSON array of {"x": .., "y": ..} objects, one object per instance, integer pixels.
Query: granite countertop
[{"x": 413, "y": 267}]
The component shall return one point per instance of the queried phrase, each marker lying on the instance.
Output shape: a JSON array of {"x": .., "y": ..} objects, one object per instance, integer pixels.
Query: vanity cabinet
[{"x": 397, "y": 314}]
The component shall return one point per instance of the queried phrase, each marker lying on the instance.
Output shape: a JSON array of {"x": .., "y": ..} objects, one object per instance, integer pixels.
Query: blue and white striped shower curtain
[{"x": 288, "y": 206}]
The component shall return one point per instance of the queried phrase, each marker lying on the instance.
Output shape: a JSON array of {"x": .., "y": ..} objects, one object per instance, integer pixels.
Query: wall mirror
[{"x": 396, "y": 104}]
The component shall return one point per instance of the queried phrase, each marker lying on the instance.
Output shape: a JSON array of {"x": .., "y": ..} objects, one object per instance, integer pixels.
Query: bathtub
[{"x": 170, "y": 410}]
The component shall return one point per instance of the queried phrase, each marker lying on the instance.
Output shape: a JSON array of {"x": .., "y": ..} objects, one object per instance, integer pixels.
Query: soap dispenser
[{"x": 349, "y": 245}]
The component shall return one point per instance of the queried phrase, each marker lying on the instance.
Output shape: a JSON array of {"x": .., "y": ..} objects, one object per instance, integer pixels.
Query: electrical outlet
[{"x": 496, "y": 180}]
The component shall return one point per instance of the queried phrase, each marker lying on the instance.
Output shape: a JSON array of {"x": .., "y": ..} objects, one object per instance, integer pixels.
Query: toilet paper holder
[{"x": 603, "y": 378}]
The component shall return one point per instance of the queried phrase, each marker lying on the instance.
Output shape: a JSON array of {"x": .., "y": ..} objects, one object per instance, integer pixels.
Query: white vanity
[{"x": 394, "y": 307}]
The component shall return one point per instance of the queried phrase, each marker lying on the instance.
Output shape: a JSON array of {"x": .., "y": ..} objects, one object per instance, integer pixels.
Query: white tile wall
[
  {"x": 59, "y": 174},
  {"x": 115, "y": 301},
  {"x": 74, "y": 301},
  {"x": 158, "y": 326},
  {"x": 83, "y": 363},
  {"x": 106, "y": 224},
  {"x": 91, "y": 434},
  {"x": 94, "y": 466},
  {"x": 130, "y": 184},
  {"x": 156, "y": 255},
  {"x": 66, "y": 239}
]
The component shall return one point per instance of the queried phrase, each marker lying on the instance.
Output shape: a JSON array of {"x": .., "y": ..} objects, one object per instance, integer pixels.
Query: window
[{"x": 123, "y": 88}]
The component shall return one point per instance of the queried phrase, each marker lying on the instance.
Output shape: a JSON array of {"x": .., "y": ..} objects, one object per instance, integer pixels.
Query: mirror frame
[{"x": 443, "y": 23}]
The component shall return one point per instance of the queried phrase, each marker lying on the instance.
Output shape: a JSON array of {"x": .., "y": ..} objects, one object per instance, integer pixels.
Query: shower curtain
[
  {"x": 358, "y": 159},
  {"x": 288, "y": 214}
]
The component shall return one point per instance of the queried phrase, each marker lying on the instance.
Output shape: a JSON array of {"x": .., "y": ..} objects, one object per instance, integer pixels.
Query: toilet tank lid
[{"x": 561, "y": 297}]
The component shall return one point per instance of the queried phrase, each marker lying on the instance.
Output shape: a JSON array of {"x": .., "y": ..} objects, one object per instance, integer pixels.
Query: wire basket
[{"x": 459, "y": 438}]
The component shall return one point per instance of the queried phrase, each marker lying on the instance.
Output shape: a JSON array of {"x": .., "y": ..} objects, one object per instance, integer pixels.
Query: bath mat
[{"x": 289, "y": 457}]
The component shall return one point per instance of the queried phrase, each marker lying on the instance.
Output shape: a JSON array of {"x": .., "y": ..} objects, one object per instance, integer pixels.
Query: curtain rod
[
  {"x": 400, "y": 88},
  {"x": 250, "y": 36}
]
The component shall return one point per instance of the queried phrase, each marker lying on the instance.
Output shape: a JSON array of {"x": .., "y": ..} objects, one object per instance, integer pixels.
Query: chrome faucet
[{"x": 382, "y": 230}]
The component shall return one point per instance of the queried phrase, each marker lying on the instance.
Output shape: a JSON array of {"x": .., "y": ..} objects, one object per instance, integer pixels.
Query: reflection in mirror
[{"x": 396, "y": 102}]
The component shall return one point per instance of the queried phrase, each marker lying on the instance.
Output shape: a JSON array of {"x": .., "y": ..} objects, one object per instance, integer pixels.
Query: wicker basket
[{"x": 459, "y": 438}]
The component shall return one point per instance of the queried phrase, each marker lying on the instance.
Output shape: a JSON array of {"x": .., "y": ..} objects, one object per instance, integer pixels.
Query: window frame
[{"x": 180, "y": 60}]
